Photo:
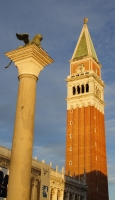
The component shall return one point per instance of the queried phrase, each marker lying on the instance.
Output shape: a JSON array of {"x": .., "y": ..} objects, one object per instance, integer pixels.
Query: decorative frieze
[{"x": 79, "y": 103}]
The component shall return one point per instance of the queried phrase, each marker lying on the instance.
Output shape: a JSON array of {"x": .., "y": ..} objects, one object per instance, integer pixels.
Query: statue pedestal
[{"x": 29, "y": 60}]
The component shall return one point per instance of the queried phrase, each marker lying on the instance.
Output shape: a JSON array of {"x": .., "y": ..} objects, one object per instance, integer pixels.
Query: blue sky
[{"x": 60, "y": 22}]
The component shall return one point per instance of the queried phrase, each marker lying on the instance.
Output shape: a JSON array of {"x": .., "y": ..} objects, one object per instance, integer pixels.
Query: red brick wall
[
  {"x": 75, "y": 142},
  {"x": 95, "y": 68},
  {"x": 88, "y": 149}
]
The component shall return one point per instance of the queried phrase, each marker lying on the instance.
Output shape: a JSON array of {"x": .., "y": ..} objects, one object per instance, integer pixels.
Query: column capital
[
  {"x": 59, "y": 193},
  {"x": 34, "y": 182},
  {"x": 29, "y": 59},
  {"x": 53, "y": 190}
]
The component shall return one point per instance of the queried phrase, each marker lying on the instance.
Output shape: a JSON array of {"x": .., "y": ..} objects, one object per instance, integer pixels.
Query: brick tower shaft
[{"x": 85, "y": 135}]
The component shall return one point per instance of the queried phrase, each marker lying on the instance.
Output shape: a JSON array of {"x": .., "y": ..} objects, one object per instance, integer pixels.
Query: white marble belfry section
[{"x": 93, "y": 96}]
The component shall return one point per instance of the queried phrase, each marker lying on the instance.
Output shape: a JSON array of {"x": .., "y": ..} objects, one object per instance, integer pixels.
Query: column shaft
[
  {"x": 21, "y": 156},
  {"x": 34, "y": 190},
  {"x": 54, "y": 194},
  {"x": 60, "y": 195}
]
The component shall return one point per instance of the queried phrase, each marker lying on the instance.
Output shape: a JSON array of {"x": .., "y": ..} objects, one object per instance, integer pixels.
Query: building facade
[
  {"x": 85, "y": 135},
  {"x": 61, "y": 186}
]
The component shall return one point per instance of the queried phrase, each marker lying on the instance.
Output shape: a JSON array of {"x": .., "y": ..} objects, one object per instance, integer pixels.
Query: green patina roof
[
  {"x": 85, "y": 46},
  {"x": 82, "y": 48}
]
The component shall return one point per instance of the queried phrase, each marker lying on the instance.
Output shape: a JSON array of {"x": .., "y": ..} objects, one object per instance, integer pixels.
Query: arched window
[
  {"x": 82, "y": 88},
  {"x": 78, "y": 89},
  {"x": 87, "y": 87},
  {"x": 74, "y": 90}
]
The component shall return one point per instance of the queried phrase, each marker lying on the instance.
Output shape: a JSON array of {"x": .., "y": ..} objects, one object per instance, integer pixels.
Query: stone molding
[{"x": 91, "y": 76}]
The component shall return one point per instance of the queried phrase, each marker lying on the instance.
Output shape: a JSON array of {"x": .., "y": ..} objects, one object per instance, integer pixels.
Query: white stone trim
[{"x": 85, "y": 102}]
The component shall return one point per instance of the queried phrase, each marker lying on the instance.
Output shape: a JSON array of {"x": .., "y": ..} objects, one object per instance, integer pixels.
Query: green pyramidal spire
[{"x": 85, "y": 45}]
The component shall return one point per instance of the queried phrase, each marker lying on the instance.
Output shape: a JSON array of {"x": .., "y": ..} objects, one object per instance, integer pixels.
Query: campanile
[{"x": 85, "y": 131}]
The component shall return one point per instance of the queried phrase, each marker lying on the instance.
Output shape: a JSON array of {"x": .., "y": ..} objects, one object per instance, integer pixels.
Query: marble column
[
  {"x": 34, "y": 189},
  {"x": 29, "y": 60},
  {"x": 54, "y": 194},
  {"x": 60, "y": 195}
]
